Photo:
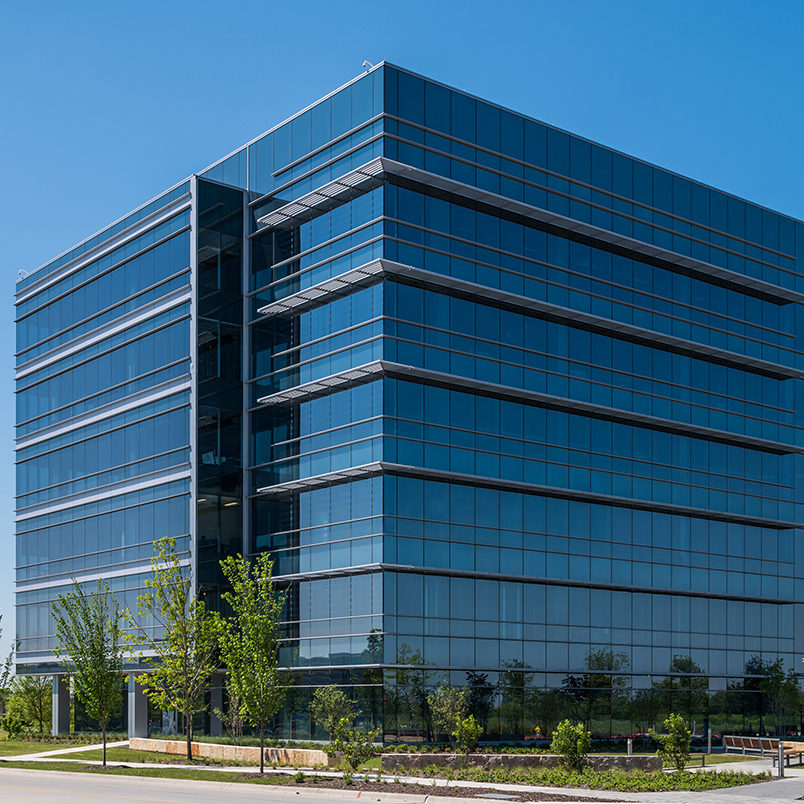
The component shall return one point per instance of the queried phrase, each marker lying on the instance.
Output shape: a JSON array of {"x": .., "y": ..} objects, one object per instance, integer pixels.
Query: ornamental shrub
[
  {"x": 467, "y": 732},
  {"x": 356, "y": 746},
  {"x": 573, "y": 742},
  {"x": 675, "y": 745}
]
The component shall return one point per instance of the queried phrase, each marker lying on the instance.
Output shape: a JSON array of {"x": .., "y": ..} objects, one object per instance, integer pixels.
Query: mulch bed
[{"x": 487, "y": 794}]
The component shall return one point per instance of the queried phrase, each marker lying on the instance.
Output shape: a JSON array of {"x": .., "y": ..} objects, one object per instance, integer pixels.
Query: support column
[
  {"x": 215, "y": 702},
  {"x": 137, "y": 709},
  {"x": 61, "y": 706}
]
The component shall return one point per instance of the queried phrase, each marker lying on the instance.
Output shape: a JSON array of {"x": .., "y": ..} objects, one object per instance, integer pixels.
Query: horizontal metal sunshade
[
  {"x": 325, "y": 197},
  {"x": 358, "y": 180},
  {"x": 314, "y": 387},
  {"x": 336, "y": 286}
]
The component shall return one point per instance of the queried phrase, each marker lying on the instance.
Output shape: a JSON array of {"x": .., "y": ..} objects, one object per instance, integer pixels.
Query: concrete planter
[
  {"x": 413, "y": 762},
  {"x": 239, "y": 753}
]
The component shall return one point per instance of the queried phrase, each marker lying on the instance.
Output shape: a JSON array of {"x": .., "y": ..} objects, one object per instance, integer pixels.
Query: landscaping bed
[
  {"x": 392, "y": 762},
  {"x": 624, "y": 781},
  {"x": 425, "y": 790}
]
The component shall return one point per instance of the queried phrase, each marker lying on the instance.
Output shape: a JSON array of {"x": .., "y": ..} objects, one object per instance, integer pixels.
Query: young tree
[
  {"x": 183, "y": 636},
  {"x": 356, "y": 746},
  {"x": 573, "y": 743},
  {"x": 781, "y": 691},
  {"x": 231, "y": 717},
  {"x": 329, "y": 706},
  {"x": 466, "y": 733},
  {"x": 674, "y": 747},
  {"x": 31, "y": 701},
  {"x": 448, "y": 705},
  {"x": 89, "y": 636},
  {"x": 250, "y": 640},
  {"x": 6, "y": 674}
]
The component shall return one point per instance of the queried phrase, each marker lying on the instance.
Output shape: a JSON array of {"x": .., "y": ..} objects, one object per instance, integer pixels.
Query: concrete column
[
  {"x": 215, "y": 702},
  {"x": 61, "y": 706},
  {"x": 169, "y": 723},
  {"x": 137, "y": 709}
]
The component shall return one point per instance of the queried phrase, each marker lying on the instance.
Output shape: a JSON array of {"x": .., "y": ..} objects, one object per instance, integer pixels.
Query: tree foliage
[
  {"x": 182, "y": 637},
  {"x": 89, "y": 637},
  {"x": 31, "y": 702},
  {"x": 230, "y": 717},
  {"x": 780, "y": 690},
  {"x": 674, "y": 746},
  {"x": 250, "y": 639},
  {"x": 573, "y": 742},
  {"x": 447, "y": 704},
  {"x": 411, "y": 680},
  {"x": 466, "y": 732},
  {"x": 6, "y": 674},
  {"x": 331, "y": 705},
  {"x": 356, "y": 745}
]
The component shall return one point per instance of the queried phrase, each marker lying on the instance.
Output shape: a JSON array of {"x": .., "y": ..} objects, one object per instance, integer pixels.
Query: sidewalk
[{"x": 72, "y": 750}]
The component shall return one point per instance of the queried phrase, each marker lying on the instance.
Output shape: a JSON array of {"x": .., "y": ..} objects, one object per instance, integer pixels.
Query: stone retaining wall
[
  {"x": 240, "y": 753},
  {"x": 399, "y": 762}
]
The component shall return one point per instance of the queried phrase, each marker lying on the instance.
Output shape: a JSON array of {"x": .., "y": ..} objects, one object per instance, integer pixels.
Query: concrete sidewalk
[{"x": 72, "y": 750}]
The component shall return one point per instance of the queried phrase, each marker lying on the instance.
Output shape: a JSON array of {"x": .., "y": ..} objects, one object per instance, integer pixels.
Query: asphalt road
[{"x": 54, "y": 787}]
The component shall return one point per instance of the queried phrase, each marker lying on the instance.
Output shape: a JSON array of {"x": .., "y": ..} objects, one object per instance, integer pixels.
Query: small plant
[
  {"x": 329, "y": 706},
  {"x": 573, "y": 742},
  {"x": 13, "y": 725},
  {"x": 356, "y": 746},
  {"x": 675, "y": 745},
  {"x": 466, "y": 733},
  {"x": 447, "y": 704},
  {"x": 299, "y": 777},
  {"x": 231, "y": 717}
]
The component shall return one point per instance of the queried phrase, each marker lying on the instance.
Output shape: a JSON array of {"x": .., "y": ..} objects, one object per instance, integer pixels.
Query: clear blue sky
[{"x": 106, "y": 104}]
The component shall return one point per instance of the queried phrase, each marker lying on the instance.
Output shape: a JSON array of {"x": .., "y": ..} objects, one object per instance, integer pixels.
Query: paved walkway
[{"x": 72, "y": 750}]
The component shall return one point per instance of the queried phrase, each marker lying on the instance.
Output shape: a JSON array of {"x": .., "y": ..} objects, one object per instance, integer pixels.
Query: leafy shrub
[
  {"x": 674, "y": 747},
  {"x": 13, "y": 725},
  {"x": 620, "y": 780},
  {"x": 447, "y": 704},
  {"x": 467, "y": 732},
  {"x": 356, "y": 746},
  {"x": 573, "y": 742},
  {"x": 329, "y": 706}
]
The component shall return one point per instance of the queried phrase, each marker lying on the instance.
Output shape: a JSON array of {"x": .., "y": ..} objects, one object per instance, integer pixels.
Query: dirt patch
[{"x": 487, "y": 794}]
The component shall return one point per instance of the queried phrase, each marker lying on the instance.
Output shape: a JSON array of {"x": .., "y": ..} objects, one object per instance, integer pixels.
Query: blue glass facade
[{"x": 509, "y": 409}]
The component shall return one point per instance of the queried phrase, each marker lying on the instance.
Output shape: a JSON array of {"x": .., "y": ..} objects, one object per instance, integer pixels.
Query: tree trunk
[
  {"x": 262, "y": 748},
  {"x": 188, "y": 730},
  {"x": 103, "y": 732}
]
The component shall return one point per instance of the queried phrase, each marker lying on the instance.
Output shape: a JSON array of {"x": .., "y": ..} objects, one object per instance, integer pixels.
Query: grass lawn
[
  {"x": 719, "y": 759},
  {"x": 163, "y": 773},
  {"x": 130, "y": 755},
  {"x": 9, "y": 748}
]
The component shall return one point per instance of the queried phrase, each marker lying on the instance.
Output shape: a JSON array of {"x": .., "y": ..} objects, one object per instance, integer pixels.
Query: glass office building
[{"x": 510, "y": 410}]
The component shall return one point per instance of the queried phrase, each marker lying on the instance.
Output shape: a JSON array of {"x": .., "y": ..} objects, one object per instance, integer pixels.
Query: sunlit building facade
[{"x": 510, "y": 410}]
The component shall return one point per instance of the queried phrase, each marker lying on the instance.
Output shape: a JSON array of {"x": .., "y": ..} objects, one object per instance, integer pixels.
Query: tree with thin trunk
[
  {"x": 181, "y": 635},
  {"x": 6, "y": 674},
  {"x": 250, "y": 642},
  {"x": 30, "y": 701},
  {"x": 90, "y": 637}
]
